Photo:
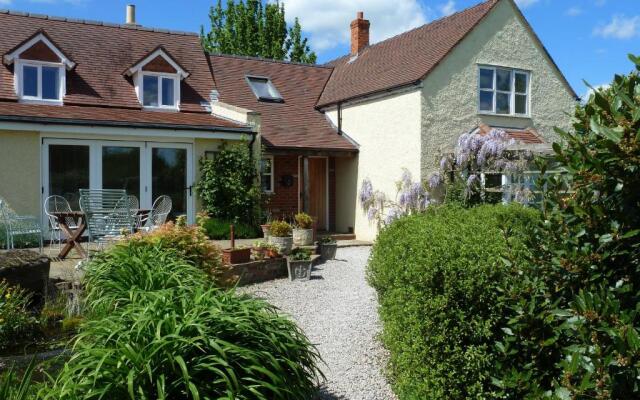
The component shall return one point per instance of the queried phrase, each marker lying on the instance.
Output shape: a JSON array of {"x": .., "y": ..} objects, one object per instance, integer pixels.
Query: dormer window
[
  {"x": 157, "y": 80},
  {"x": 263, "y": 89},
  {"x": 39, "y": 70}
]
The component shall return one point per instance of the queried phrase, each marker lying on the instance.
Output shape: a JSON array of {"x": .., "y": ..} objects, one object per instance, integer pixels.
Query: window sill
[
  {"x": 491, "y": 114},
  {"x": 41, "y": 102},
  {"x": 161, "y": 109}
]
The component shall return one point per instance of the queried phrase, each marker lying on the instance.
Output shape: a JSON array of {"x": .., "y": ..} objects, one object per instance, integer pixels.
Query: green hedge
[
  {"x": 219, "y": 230},
  {"x": 438, "y": 276}
]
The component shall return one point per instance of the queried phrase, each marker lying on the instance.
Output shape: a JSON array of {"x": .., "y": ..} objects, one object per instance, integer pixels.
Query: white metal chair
[
  {"x": 107, "y": 214},
  {"x": 160, "y": 211},
  {"x": 134, "y": 206},
  {"x": 18, "y": 225},
  {"x": 53, "y": 204}
]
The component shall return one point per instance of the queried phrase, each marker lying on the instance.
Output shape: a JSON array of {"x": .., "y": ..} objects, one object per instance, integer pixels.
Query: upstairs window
[
  {"x": 40, "y": 82},
  {"x": 263, "y": 89},
  {"x": 503, "y": 91},
  {"x": 159, "y": 90}
]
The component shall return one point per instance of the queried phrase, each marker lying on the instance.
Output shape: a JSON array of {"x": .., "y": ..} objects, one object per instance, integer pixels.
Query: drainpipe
[
  {"x": 254, "y": 136},
  {"x": 339, "y": 118}
]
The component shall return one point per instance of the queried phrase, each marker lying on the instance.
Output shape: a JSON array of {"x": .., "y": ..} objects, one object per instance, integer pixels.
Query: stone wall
[{"x": 258, "y": 271}]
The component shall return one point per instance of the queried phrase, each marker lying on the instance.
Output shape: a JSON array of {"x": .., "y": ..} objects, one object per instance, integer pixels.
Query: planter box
[
  {"x": 28, "y": 269},
  {"x": 265, "y": 230},
  {"x": 302, "y": 237},
  {"x": 283, "y": 244},
  {"x": 299, "y": 270},
  {"x": 328, "y": 251},
  {"x": 236, "y": 256}
]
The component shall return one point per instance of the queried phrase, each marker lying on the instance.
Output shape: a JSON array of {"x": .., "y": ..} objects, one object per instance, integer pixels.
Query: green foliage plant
[
  {"x": 438, "y": 276},
  {"x": 218, "y": 229},
  {"x": 300, "y": 254},
  {"x": 303, "y": 220},
  {"x": 16, "y": 319},
  {"x": 14, "y": 388},
  {"x": 280, "y": 229}
]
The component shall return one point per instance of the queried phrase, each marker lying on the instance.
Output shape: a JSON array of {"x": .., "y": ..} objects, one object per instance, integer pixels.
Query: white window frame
[
  {"x": 512, "y": 93},
  {"x": 18, "y": 81},
  {"x": 271, "y": 174},
  {"x": 176, "y": 90}
]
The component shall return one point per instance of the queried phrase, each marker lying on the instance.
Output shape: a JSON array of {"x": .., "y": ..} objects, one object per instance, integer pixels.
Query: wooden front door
[{"x": 317, "y": 207}]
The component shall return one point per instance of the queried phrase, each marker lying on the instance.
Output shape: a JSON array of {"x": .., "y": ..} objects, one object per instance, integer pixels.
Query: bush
[
  {"x": 189, "y": 242},
  {"x": 438, "y": 276},
  {"x": 158, "y": 330},
  {"x": 217, "y": 229},
  {"x": 16, "y": 320},
  {"x": 303, "y": 221},
  {"x": 280, "y": 229},
  {"x": 228, "y": 185}
]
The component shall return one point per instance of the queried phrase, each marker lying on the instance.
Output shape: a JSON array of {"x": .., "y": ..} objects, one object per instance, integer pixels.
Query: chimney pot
[
  {"x": 131, "y": 14},
  {"x": 359, "y": 33}
]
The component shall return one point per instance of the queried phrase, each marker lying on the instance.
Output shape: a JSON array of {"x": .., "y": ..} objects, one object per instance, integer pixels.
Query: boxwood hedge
[{"x": 439, "y": 276}]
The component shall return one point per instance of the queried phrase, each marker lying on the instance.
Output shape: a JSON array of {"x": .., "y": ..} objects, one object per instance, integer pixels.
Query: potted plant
[
  {"x": 259, "y": 250},
  {"x": 280, "y": 236},
  {"x": 303, "y": 232},
  {"x": 299, "y": 264},
  {"x": 266, "y": 226},
  {"x": 271, "y": 251},
  {"x": 328, "y": 247}
]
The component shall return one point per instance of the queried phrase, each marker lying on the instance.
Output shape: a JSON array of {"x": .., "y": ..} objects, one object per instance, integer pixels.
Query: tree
[{"x": 249, "y": 28}]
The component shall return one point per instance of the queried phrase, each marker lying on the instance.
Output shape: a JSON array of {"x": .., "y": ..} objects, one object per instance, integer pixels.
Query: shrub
[
  {"x": 228, "y": 185},
  {"x": 190, "y": 242},
  {"x": 16, "y": 320},
  {"x": 280, "y": 229},
  {"x": 576, "y": 327},
  {"x": 303, "y": 221},
  {"x": 438, "y": 276},
  {"x": 217, "y": 229}
]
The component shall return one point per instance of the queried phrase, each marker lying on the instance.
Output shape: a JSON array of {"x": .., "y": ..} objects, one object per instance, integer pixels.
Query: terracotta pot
[
  {"x": 265, "y": 230},
  {"x": 236, "y": 256},
  {"x": 270, "y": 253},
  {"x": 302, "y": 237},
  {"x": 283, "y": 244}
]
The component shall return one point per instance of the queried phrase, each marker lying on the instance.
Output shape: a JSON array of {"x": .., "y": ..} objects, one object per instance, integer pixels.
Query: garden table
[{"x": 73, "y": 233}]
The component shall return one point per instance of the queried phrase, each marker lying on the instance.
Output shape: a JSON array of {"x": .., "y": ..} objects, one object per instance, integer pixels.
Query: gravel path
[{"x": 338, "y": 312}]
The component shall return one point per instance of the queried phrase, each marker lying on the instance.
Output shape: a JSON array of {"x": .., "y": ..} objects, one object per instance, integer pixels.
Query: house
[{"x": 92, "y": 104}]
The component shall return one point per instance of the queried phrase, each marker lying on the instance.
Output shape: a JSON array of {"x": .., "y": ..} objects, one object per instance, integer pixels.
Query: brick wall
[{"x": 284, "y": 202}]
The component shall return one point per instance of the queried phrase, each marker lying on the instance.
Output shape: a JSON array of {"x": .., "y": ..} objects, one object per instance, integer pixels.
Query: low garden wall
[
  {"x": 26, "y": 268},
  {"x": 258, "y": 271}
]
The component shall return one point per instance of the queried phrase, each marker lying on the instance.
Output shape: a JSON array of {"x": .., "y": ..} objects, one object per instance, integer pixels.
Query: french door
[{"x": 144, "y": 169}]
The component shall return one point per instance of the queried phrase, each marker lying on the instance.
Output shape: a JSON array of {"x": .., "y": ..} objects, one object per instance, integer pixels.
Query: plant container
[
  {"x": 328, "y": 251},
  {"x": 265, "y": 230},
  {"x": 302, "y": 237},
  {"x": 299, "y": 270},
  {"x": 236, "y": 256},
  {"x": 283, "y": 244}
]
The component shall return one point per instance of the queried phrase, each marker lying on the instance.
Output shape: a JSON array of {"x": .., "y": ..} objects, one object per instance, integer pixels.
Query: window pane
[
  {"x": 266, "y": 183},
  {"x": 30, "y": 81},
  {"x": 150, "y": 91},
  {"x": 503, "y": 80},
  {"x": 263, "y": 89},
  {"x": 266, "y": 165},
  {"x": 521, "y": 83},
  {"x": 502, "y": 103},
  {"x": 486, "y": 78},
  {"x": 121, "y": 169},
  {"x": 68, "y": 172},
  {"x": 521, "y": 104},
  {"x": 169, "y": 176},
  {"x": 486, "y": 101},
  {"x": 50, "y": 83},
  {"x": 167, "y": 92}
]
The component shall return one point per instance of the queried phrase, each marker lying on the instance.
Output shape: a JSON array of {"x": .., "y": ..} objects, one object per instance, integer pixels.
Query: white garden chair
[
  {"x": 18, "y": 225},
  {"x": 107, "y": 214},
  {"x": 54, "y": 204},
  {"x": 160, "y": 211}
]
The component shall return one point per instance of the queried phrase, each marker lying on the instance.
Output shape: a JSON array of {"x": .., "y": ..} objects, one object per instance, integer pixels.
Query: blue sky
[{"x": 589, "y": 39}]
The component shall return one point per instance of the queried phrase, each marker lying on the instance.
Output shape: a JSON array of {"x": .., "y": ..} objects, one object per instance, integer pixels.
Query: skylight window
[{"x": 263, "y": 89}]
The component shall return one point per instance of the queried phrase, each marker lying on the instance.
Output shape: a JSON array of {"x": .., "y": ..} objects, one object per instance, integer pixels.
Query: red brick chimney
[{"x": 359, "y": 33}]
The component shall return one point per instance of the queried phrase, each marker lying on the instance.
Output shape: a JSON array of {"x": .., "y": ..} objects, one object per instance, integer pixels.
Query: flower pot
[
  {"x": 302, "y": 237},
  {"x": 271, "y": 253},
  {"x": 259, "y": 253},
  {"x": 265, "y": 230},
  {"x": 283, "y": 244},
  {"x": 236, "y": 256},
  {"x": 328, "y": 251},
  {"x": 299, "y": 270}
]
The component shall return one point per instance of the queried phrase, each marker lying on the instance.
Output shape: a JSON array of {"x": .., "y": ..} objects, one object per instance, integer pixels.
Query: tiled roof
[
  {"x": 13, "y": 111},
  {"x": 523, "y": 136},
  {"x": 103, "y": 52},
  {"x": 294, "y": 123},
  {"x": 401, "y": 60}
]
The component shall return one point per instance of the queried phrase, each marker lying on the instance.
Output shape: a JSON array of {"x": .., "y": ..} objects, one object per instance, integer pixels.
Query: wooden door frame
[{"x": 301, "y": 189}]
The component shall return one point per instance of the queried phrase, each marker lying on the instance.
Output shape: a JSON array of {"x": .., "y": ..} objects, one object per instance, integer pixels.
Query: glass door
[
  {"x": 68, "y": 171},
  {"x": 121, "y": 168},
  {"x": 171, "y": 176}
]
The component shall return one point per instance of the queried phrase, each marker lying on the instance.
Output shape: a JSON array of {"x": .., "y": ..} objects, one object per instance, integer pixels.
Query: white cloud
[
  {"x": 447, "y": 8},
  {"x": 574, "y": 11},
  {"x": 620, "y": 27},
  {"x": 526, "y": 3},
  {"x": 589, "y": 92},
  {"x": 327, "y": 22}
]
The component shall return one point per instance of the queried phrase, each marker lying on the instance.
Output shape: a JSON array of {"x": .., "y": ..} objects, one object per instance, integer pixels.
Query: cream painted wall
[
  {"x": 20, "y": 171},
  {"x": 346, "y": 192},
  {"x": 387, "y": 132},
  {"x": 450, "y": 93}
]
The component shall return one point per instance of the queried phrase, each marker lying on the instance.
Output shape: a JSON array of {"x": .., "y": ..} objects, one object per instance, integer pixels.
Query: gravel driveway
[{"x": 337, "y": 311}]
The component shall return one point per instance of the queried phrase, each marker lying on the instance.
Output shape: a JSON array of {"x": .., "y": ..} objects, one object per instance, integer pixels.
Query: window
[
  {"x": 40, "y": 82},
  {"x": 266, "y": 174},
  {"x": 263, "y": 89},
  {"x": 503, "y": 91},
  {"x": 159, "y": 90}
]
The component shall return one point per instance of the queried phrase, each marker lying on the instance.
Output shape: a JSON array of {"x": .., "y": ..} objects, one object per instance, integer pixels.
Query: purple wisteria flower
[
  {"x": 435, "y": 180},
  {"x": 445, "y": 163},
  {"x": 372, "y": 213},
  {"x": 366, "y": 192},
  {"x": 393, "y": 214}
]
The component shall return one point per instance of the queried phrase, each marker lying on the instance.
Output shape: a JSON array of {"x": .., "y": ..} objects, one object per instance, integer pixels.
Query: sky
[{"x": 588, "y": 39}]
